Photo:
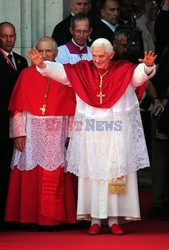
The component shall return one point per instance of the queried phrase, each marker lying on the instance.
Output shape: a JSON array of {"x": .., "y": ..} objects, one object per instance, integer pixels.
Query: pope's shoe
[
  {"x": 94, "y": 229},
  {"x": 116, "y": 229}
]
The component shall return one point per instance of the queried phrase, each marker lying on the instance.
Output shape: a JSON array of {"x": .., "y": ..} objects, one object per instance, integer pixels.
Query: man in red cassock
[{"x": 40, "y": 191}]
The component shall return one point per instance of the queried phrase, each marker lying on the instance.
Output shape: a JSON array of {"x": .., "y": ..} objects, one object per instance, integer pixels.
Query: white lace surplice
[
  {"x": 108, "y": 147},
  {"x": 45, "y": 139}
]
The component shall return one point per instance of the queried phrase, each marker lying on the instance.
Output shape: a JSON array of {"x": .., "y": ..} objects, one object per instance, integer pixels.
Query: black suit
[
  {"x": 161, "y": 33},
  {"x": 101, "y": 30},
  {"x": 61, "y": 32},
  {"x": 8, "y": 77},
  {"x": 160, "y": 155}
]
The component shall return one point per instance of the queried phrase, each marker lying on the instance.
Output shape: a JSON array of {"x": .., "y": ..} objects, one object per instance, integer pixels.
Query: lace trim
[
  {"x": 17, "y": 125},
  {"x": 45, "y": 140},
  {"x": 107, "y": 148}
]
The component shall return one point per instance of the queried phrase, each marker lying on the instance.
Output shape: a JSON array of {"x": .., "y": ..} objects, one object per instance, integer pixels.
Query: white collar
[
  {"x": 111, "y": 26},
  {"x": 80, "y": 47},
  {"x": 7, "y": 53}
]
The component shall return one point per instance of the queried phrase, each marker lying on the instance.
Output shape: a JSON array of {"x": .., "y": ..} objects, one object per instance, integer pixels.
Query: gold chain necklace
[
  {"x": 43, "y": 108},
  {"x": 101, "y": 95}
]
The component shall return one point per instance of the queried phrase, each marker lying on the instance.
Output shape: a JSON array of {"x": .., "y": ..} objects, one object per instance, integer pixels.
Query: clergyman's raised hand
[
  {"x": 36, "y": 58},
  {"x": 149, "y": 58}
]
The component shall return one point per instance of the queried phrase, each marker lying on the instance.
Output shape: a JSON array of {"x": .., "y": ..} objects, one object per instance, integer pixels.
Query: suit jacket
[
  {"x": 61, "y": 32},
  {"x": 101, "y": 30},
  {"x": 8, "y": 77},
  {"x": 161, "y": 82},
  {"x": 161, "y": 33}
]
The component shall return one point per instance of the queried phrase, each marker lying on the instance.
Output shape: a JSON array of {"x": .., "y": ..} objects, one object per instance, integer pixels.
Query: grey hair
[
  {"x": 47, "y": 38},
  {"x": 120, "y": 33},
  {"x": 79, "y": 17},
  {"x": 102, "y": 42}
]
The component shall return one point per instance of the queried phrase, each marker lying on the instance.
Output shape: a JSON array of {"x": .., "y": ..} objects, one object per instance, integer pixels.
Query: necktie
[{"x": 11, "y": 62}]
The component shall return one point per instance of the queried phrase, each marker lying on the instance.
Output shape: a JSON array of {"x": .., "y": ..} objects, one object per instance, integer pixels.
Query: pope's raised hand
[
  {"x": 36, "y": 57},
  {"x": 149, "y": 58}
]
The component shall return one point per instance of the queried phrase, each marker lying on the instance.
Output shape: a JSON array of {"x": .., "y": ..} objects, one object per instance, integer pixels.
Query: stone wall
[{"x": 32, "y": 19}]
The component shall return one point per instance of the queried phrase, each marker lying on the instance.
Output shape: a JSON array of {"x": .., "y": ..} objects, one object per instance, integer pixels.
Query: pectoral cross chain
[
  {"x": 101, "y": 95},
  {"x": 43, "y": 108}
]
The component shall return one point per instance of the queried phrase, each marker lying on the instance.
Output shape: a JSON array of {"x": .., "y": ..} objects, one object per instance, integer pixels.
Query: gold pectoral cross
[
  {"x": 43, "y": 109},
  {"x": 101, "y": 95}
]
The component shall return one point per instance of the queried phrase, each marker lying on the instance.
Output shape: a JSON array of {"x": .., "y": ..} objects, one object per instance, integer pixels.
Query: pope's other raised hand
[{"x": 149, "y": 58}]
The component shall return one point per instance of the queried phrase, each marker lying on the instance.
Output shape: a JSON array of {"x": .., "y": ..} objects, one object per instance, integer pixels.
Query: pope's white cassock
[{"x": 106, "y": 143}]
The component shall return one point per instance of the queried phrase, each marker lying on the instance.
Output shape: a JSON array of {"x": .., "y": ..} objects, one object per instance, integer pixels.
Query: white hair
[
  {"x": 102, "y": 42},
  {"x": 48, "y": 39}
]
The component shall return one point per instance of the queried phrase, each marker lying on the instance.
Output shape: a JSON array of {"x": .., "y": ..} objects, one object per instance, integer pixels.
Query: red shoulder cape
[
  {"x": 29, "y": 91},
  {"x": 85, "y": 80}
]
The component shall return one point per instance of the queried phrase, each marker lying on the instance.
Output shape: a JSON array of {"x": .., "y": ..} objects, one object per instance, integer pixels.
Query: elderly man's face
[
  {"x": 47, "y": 50},
  {"x": 81, "y": 31},
  {"x": 80, "y": 6},
  {"x": 101, "y": 58}
]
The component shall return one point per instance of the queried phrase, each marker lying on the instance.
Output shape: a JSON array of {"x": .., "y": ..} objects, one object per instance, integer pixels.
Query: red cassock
[{"x": 38, "y": 195}]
